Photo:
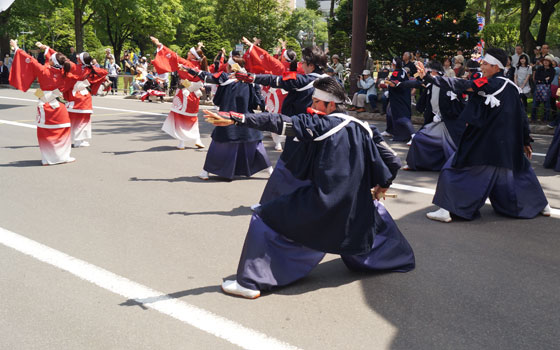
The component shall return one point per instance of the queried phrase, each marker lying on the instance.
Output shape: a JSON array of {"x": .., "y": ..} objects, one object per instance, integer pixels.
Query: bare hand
[
  {"x": 40, "y": 45},
  {"x": 421, "y": 71},
  {"x": 200, "y": 45},
  {"x": 283, "y": 43},
  {"x": 246, "y": 41},
  {"x": 13, "y": 43},
  {"x": 155, "y": 41},
  {"x": 528, "y": 151},
  {"x": 378, "y": 192},
  {"x": 256, "y": 41},
  {"x": 215, "y": 119}
]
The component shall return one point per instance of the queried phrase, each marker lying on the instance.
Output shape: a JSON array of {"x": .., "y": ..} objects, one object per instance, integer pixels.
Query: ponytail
[
  {"x": 203, "y": 60},
  {"x": 64, "y": 62}
]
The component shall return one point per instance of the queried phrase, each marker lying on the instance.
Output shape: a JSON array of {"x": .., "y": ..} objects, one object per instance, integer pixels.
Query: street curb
[{"x": 417, "y": 120}]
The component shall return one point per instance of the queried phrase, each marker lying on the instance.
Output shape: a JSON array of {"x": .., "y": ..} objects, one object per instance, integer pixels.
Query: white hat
[{"x": 366, "y": 72}]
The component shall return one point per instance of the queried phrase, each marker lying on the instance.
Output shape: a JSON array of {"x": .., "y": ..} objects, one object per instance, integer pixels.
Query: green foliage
[
  {"x": 340, "y": 45},
  {"x": 251, "y": 18},
  {"x": 292, "y": 43},
  {"x": 210, "y": 34},
  {"x": 309, "y": 21},
  {"x": 392, "y": 28},
  {"x": 501, "y": 35},
  {"x": 312, "y": 5}
]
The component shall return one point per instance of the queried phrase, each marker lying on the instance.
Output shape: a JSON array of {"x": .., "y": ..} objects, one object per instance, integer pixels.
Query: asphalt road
[{"x": 133, "y": 206}]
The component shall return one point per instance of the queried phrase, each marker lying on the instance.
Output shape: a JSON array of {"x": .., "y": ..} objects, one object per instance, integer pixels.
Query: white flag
[{"x": 4, "y": 4}]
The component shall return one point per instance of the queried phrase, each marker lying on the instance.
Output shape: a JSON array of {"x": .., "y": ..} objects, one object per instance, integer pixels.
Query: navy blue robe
[
  {"x": 493, "y": 136},
  {"x": 233, "y": 97},
  {"x": 450, "y": 110},
  {"x": 552, "y": 159},
  {"x": 333, "y": 211}
]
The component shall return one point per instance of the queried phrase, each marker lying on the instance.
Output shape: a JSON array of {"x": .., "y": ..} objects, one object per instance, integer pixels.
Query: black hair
[
  {"x": 499, "y": 54},
  {"x": 436, "y": 66},
  {"x": 64, "y": 62},
  {"x": 235, "y": 53},
  {"x": 398, "y": 62},
  {"x": 87, "y": 59},
  {"x": 315, "y": 56},
  {"x": 292, "y": 59},
  {"x": 473, "y": 65},
  {"x": 527, "y": 60},
  {"x": 239, "y": 60},
  {"x": 330, "y": 85}
]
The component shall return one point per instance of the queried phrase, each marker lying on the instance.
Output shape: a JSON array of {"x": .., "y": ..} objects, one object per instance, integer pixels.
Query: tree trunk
[
  {"x": 78, "y": 26},
  {"x": 527, "y": 16},
  {"x": 488, "y": 11},
  {"x": 359, "y": 28},
  {"x": 4, "y": 37},
  {"x": 547, "y": 9}
]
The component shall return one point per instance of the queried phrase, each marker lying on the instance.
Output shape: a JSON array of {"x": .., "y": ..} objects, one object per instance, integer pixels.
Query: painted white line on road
[
  {"x": 184, "y": 312},
  {"x": 430, "y": 191},
  {"x": 539, "y": 154},
  {"x": 18, "y": 124}
]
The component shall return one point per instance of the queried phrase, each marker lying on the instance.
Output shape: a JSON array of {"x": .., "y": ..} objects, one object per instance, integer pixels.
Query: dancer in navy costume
[
  {"x": 337, "y": 162},
  {"x": 436, "y": 142},
  {"x": 399, "y": 124},
  {"x": 234, "y": 150},
  {"x": 492, "y": 157},
  {"x": 552, "y": 159},
  {"x": 300, "y": 90}
]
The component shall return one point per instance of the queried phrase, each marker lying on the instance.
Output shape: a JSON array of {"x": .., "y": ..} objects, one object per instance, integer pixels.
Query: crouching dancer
[
  {"x": 330, "y": 209},
  {"x": 492, "y": 158}
]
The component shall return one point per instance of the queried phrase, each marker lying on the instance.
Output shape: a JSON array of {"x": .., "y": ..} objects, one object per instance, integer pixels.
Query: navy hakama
[
  {"x": 271, "y": 260},
  {"x": 431, "y": 147},
  {"x": 463, "y": 191},
  {"x": 400, "y": 102},
  {"x": 281, "y": 182},
  {"x": 552, "y": 159},
  {"x": 236, "y": 159}
]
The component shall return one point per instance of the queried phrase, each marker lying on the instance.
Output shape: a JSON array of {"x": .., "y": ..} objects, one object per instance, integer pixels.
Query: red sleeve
[
  {"x": 97, "y": 78},
  {"x": 165, "y": 61},
  {"x": 24, "y": 70},
  {"x": 260, "y": 62}
]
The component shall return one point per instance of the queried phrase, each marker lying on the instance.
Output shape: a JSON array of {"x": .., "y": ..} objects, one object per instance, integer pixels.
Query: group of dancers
[{"x": 318, "y": 198}]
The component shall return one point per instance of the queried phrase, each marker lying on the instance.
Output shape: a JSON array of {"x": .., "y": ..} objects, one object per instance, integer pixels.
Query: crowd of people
[{"x": 318, "y": 198}]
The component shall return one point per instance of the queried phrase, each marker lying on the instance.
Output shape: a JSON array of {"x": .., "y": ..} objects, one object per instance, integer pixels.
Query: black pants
[{"x": 114, "y": 83}]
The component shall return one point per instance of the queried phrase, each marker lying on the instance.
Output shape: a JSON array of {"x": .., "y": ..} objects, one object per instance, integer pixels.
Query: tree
[
  {"x": 312, "y": 5},
  {"x": 119, "y": 20},
  {"x": 395, "y": 26},
  {"x": 211, "y": 35},
  {"x": 309, "y": 21},
  {"x": 81, "y": 9},
  {"x": 546, "y": 9},
  {"x": 340, "y": 45},
  {"x": 251, "y": 18}
]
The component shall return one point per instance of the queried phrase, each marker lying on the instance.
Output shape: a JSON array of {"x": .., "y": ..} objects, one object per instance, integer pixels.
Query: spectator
[
  {"x": 515, "y": 57},
  {"x": 407, "y": 63},
  {"x": 4, "y": 73},
  {"x": 108, "y": 56},
  {"x": 113, "y": 70},
  {"x": 459, "y": 68},
  {"x": 509, "y": 70},
  {"x": 139, "y": 80},
  {"x": 143, "y": 62},
  {"x": 330, "y": 72},
  {"x": 337, "y": 66},
  {"x": 554, "y": 85},
  {"x": 458, "y": 56},
  {"x": 545, "y": 50},
  {"x": 544, "y": 76},
  {"x": 447, "y": 70},
  {"x": 95, "y": 63},
  {"x": 537, "y": 56},
  {"x": 523, "y": 73},
  {"x": 128, "y": 70},
  {"x": 73, "y": 56},
  {"x": 367, "y": 92},
  {"x": 8, "y": 61}
]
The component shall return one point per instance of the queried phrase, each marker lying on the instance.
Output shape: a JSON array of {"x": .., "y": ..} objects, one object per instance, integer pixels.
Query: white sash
[
  {"x": 346, "y": 120},
  {"x": 491, "y": 99},
  {"x": 310, "y": 85},
  {"x": 81, "y": 87}
]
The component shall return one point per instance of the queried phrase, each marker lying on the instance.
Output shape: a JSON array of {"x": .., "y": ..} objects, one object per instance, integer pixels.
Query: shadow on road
[
  {"x": 23, "y": 163},
  {"x": 242, "y": 210},
  {"x": 176, "y": 295}
]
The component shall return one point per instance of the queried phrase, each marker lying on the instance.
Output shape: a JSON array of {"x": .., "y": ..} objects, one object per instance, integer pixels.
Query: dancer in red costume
[
  {"x": 53, "y": 122},
  {"x": 78, "y": 81},
  {"x": 182, "y": 121}
]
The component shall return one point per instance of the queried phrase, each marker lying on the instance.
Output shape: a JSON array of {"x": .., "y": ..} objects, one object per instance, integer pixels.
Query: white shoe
[
  {"x": 204, "y": 175},
  {"x": 270, "y": 169},
  {"x": 255, "y": 206},
  {"x": 440, "y": 215},
  {"x": 278, "y": 147},
  {"x": 386, "y": 134},
  {"x": 409, "y": 143},
  {"x": 181, "y": 145},
  {"x": 81, "y": 144},
  {"x": 233, "y": 288},
  {"x": 199, "y": 144},
  {"x": 547, "y": 211},
  {"x": 406, "y": 167}
]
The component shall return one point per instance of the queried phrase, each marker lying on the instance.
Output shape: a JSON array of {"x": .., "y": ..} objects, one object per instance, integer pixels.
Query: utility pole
[{"x": 359, "y": 28}]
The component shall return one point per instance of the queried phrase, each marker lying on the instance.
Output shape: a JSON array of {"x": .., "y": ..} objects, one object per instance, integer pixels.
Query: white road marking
[
  {"x": 192, "y": 315},
  {"x": 18, "y": 124},
  {"x": 430, "y": 191}
]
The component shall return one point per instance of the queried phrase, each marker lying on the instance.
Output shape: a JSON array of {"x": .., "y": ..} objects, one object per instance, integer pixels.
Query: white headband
[
  {"x": 81, "y": 56},
  {"x": 326, "y": 96},
  {"x": 53, "y": 60},
  {"x": 231, "y": 62},
  {"x": 286, "y": 56},
  {"x": 194, "y": 53},
  {"x": 394, "y": 62},
  {"x": 493, "y": 60}
]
